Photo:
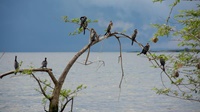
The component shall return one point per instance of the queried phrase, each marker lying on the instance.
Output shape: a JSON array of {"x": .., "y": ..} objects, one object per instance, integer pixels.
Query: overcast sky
[{"x": 37, "y": 25}]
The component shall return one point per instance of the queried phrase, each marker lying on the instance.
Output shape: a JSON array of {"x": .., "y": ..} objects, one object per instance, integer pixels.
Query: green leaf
[
  {"x": 95, "y": 21},
  {"x": 65, "y": 92},
  {"x": 157, "y": 1},
  {"x": 179, "y": 81},
  {"x": 75, "y": 20},
  {"x": 176, "y": 93},
  {"x": 79, "y": 87},
  {"x": 89, "y": 20},
  {"x": 65, "y": 18},
  {"x": 28, "y": 72},
  {"x": 44, "y": 100}
]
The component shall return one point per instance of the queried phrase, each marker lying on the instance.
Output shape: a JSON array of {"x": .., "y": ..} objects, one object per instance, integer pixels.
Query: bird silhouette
[
  {"x": 162, "y": 62},
  {"x": 16, "y": 64},
  {"x": 134, "y": 36},
  {"x": 93, "y": 35},
  {"x": 109, "y": 28},
  {"x": 44, "y": 63},
  {"x": 145, "y": 49},
  {"x": 85, "y": 26},
  {"x": 83, "y": 20}
]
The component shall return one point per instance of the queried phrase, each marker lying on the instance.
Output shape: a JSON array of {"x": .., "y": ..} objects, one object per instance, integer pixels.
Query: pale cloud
[
  {"x": 123, "y": 25},
  {"x": 127, "y": 7},
  {"x": 132, "y": 8},
  {"x": 146, "y": 27}
]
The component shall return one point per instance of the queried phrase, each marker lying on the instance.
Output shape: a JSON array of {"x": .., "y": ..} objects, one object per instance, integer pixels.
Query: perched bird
[
  {"x": 16, "y": 64},
  {"x": 145, "y": 49},
  {"x": 134, "y": 36},
  {"x": 44, "y": 63},
  {"x": 83, "y": 20},
  {"x": 109, "y": 28},
  {"x": 162, "y": 62},
  {"x": 93, "y": 35},
  {"x": 85, "y": 26}
]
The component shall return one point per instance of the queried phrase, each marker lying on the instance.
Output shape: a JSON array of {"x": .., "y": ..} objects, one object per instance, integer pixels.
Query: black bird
[
  {"x": 16, "y": 64},
  {"x": 134, "y": 36},
  {"x": 83, "y": 20},
  {"x": 109, "y": 28},
  {"x": 85, "y": 26},
  {"x": 44, "y": 63},
  {"x": 93, "y": 35},
  {"x": 145, "y": 49},
  {"x": 162, "y": 62}
]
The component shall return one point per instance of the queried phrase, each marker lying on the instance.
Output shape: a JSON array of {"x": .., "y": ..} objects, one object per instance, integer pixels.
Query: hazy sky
[{"x": 37, "y": 25}]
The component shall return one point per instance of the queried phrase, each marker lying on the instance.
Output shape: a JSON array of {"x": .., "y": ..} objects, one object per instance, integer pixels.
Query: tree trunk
[
  {"x": 53, "y": 107},
  {"x": 54, "y": 101}
]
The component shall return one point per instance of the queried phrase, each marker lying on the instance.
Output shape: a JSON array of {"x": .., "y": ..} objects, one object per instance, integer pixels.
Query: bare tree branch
[
  {"x": 91, "y": 62},
  {"x": 52, "y": 77},
  {"x": 73, "y": 60},
  {"x": 167, "y": 21},
  {"x": 119, "y": 33},
  {"x": 160, "y": 67},
  {"x": 23, "y": 70},
  {"x": 72, "y": 104},
  {"x": 67, "y": 101},
  {"x": 148, "y": 52},
  {"x": 198, "y": 100},
  {"x": 45, "y": 109},
  {"x": 87, "y": 56},
  {"x": 120, "y": 57},
  {"x": 45, "y": 84},
  {"x": 48, "y": 70},
  {"x": 42, "y": 90}
]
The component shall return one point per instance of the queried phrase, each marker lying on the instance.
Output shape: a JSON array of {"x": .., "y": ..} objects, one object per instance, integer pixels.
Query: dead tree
[{"x": 58, "y": 83}]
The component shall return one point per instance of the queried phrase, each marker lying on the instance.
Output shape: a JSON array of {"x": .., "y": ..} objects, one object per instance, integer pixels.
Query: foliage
[
  {"x": 157, "y": 1},
  {"x": 186, "y": 63},
  {"x": 77, "y": 21},
  {"x": 66, "y": 95},
  {"x": 163, "y": 29}
]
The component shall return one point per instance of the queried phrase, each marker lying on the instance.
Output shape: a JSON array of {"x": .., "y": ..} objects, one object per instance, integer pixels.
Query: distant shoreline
[{"x": 172, "y": 50}]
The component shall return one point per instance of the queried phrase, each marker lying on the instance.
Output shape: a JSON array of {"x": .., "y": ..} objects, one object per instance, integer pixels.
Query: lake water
[{"x": 17, "y": 93}]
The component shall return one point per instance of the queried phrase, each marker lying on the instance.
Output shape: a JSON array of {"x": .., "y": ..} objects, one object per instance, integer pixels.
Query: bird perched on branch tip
[
  {"x": 108, "y": 30},
  {"x": 16, "y": 64},
  {"x": 134, "y": 36}
]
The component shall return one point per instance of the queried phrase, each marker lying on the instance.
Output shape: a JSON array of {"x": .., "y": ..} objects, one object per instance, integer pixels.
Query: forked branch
[
  {"x": 30, "y": 71},
  {"x": 42, "y": 90}
]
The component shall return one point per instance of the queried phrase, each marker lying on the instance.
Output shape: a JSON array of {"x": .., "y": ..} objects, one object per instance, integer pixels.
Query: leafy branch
[{"x": 185, "y": 64}]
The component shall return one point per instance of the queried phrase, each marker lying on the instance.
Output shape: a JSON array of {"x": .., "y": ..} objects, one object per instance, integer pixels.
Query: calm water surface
[{"x": 17, "y": 93}]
